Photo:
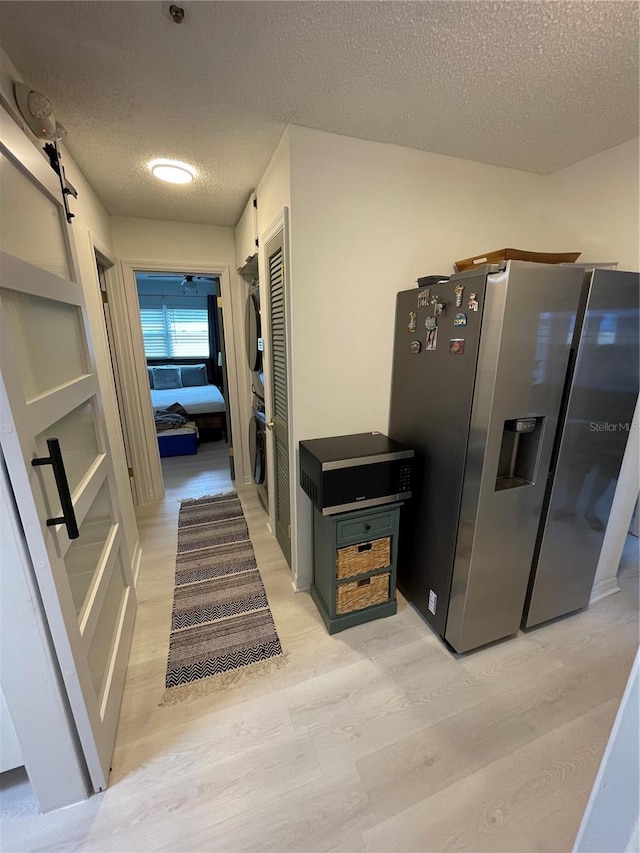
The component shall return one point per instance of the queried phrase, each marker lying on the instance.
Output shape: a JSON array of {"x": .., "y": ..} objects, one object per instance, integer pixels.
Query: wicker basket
[
  {"x": 363, "y": 593},
  {"x": 362, "y": 558}
]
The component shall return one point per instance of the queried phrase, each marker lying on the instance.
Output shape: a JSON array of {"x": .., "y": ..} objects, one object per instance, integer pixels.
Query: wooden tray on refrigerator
[{"x": 517, "y": 255}]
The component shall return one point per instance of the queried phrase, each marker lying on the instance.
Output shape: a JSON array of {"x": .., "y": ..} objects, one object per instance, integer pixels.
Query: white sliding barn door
[{"x": 53, "y": 438}]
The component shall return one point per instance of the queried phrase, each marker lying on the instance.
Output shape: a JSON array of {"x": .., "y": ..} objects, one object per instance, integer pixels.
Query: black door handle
[{"x": 68, "y": 516}]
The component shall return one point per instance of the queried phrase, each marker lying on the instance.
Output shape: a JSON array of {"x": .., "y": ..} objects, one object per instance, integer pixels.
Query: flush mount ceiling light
[{"x": 172, "y": 171}]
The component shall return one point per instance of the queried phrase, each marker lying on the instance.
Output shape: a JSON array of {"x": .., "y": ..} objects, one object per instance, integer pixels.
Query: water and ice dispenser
[{"x": 519, "y": 453}]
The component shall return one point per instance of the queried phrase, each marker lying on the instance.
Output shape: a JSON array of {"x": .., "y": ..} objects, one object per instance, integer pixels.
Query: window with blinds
[{"x": 171, "y": 332}]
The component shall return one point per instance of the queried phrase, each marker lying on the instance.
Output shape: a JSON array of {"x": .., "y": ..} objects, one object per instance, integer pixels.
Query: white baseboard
[{"x": 603, "y": 588}]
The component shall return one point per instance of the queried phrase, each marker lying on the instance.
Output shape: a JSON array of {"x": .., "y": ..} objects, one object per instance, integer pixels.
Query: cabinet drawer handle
[
  {"x": 364, "y": 582},
  {"x": 366, "y": 547},
  {"x": 367, "y": 527}
]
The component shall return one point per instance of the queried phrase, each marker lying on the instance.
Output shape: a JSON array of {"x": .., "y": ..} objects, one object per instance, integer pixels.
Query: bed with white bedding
[
  {"x": 187, "y": 385},
  {"x": 197, "y": 400}
]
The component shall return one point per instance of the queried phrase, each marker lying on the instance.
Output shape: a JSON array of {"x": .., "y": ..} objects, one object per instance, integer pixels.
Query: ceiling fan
[
  {"x": 176, "y": 276},
  {"x": 188, "y": 283}
]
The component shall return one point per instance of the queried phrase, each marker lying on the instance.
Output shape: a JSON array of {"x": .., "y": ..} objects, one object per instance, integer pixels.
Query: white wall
[
  {"x": 367, "y": 220},
  {"x": 274, "y": 190},
  {"x": 593, "y": 206},
  {"x": 180, "y": 247},
  {"x": 173, "y": 243}
]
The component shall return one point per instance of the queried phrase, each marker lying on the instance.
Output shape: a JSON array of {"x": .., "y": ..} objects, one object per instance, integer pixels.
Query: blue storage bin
[{"x": 179, "y": 442}]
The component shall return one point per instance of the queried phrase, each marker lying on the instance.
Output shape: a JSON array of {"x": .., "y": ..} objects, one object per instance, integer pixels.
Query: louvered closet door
[{"x": 279, "y": 416}]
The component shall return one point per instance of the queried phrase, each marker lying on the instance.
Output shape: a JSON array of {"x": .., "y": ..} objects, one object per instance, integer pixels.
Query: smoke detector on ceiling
[{"x": 37, "y": 111}]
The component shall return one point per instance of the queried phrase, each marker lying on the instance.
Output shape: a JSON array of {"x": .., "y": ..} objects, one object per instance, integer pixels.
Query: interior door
[
  {"x": 115, "y": 367},
  {"x": 54, "y": 442},
  {"x": 279, "y": 422}
]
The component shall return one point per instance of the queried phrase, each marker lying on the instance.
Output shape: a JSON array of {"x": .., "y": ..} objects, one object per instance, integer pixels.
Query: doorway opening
[
  {"x": 180, "y": 317},
  {"x": 214, "y": 283}
]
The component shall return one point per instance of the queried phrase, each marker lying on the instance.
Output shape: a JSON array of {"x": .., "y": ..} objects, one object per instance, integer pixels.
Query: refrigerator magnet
[
  {"x": 412, "y": 321},
  {"x": 416, "y": 346},
  {"x": 459, "y": 290},
  {"x": 423, "y": 297},
  {"x": 473, "y": 302},
  {"x": 456, "y": 346},
  {"x": 432, "y": 340},
  {"x": 430, "y": 323},
  {"x": 460, "y": 320}
]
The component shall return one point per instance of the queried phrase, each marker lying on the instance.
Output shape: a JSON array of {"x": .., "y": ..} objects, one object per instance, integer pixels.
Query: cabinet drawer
[
  {"x": 363, "y": 593},
  {"x": 367, "y": 527},
  {"x": 363, "y": 558}
]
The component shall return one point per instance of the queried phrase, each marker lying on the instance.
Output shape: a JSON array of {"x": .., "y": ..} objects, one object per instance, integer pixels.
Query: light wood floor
[{"x": 376, "y": 739}]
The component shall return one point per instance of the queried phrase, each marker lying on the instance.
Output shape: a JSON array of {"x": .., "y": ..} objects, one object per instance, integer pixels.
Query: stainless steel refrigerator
[
  {"x": 596, "y": 419},
  {"x": 481, "y": 373}
]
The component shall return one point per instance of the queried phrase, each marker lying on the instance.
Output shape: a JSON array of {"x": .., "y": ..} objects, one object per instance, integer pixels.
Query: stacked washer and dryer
[{"x": 258, "y": 423}]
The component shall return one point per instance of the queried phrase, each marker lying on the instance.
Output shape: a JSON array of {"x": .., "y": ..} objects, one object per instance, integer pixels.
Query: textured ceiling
[{"x": 531, "y": 85}]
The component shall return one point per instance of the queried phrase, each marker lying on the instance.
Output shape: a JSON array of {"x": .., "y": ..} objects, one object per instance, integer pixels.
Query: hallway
[
  {"x": 375, "y": 739},
  {"x": 205, "y": 473}
]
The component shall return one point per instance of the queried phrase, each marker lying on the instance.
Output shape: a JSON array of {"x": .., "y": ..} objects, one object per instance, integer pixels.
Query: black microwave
[{"x": 348, "y": 472}]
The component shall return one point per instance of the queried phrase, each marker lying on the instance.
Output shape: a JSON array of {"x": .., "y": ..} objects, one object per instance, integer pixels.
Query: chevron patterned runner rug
[{"x": 222, "y": 629}]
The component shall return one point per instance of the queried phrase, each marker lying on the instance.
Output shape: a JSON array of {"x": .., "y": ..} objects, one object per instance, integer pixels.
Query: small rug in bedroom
[{"x": 222, "y": 629}]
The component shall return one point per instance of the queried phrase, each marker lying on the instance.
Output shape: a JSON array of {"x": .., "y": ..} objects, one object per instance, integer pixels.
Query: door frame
[
  {"x": 138, "y": 414},
  {"x": 108, "y": 261},
  {"x": 280, "y": 223}
]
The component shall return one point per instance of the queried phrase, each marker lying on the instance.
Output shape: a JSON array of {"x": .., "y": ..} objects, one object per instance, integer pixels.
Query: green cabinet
[{"x": 355, "y": 557}]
